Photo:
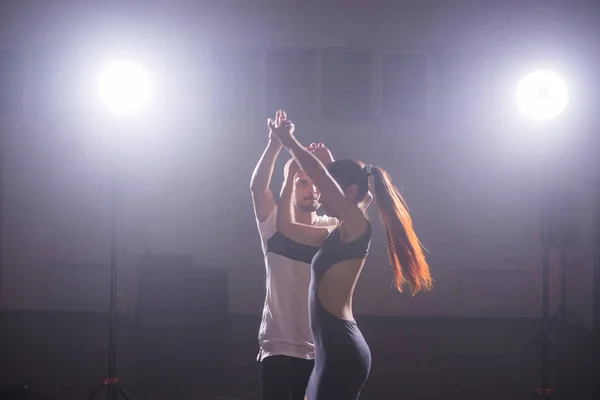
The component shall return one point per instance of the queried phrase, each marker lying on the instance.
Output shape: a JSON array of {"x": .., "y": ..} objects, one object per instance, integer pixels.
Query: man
[{"x": 286, "y": 345}]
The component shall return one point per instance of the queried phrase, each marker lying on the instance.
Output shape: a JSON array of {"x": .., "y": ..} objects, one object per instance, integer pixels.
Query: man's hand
[
  {"x": 282, "y": 128},
  {"x": 280, "y": 116}
]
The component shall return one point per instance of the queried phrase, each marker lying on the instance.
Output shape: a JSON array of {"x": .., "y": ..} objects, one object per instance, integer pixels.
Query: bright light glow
[
  {"x": 125, "y": 87},
  {"x": 542, "y": 95}
]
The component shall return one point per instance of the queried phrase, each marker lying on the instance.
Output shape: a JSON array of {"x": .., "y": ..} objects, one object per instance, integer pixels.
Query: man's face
[{"x": 305, "y": 193}]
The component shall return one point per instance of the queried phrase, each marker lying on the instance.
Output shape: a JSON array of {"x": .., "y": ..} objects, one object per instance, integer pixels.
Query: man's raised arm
[{"x": 262, "y": 196}]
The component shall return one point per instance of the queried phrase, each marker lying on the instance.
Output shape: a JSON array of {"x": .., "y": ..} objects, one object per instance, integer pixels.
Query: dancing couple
[{"x": 310, "y": 345}]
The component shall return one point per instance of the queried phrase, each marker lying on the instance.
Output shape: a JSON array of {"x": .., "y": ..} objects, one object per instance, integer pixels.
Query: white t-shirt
[{"x": 285, "y": 328}]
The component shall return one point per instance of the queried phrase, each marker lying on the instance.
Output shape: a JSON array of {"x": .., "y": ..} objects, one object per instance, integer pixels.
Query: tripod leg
[
  {"x": 123, "y": 392},
  {"x": 95, "y": 392},
  {"x": 572, "y": 315}
]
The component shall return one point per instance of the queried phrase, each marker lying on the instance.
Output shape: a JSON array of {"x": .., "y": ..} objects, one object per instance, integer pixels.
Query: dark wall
[{"x": 470, "y": 171}]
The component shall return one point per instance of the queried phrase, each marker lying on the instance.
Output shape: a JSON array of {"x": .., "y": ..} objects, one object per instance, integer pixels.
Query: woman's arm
[
  {"x": 346, "y": 210},
  {"x": 286, "y": 224}
]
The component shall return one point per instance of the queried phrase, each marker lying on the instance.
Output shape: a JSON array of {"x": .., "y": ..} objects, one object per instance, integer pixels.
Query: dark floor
[{"x": 64, "y": 355}]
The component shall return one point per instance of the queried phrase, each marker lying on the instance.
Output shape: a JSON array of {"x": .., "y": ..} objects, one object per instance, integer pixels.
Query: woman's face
[{"x": 350, "y": 194}]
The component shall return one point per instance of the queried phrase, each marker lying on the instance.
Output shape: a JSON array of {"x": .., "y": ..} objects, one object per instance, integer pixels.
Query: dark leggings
[{"x": 284, "y": 378}]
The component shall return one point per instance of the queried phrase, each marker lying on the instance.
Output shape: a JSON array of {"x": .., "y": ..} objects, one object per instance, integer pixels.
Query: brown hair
[{"x": 404, "y": 248}]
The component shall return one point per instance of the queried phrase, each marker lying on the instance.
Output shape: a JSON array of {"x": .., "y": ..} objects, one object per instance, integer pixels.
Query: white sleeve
[
  {"x": 325, "y": 220},
  {"x": 268, "y": 227}
]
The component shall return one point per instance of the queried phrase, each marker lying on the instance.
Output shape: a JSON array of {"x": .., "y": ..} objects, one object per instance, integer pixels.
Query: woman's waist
[
  {"x": 324, "y": 323},
  {"x": 340, "y": 310},
  {"x": 337, "y": 335}
]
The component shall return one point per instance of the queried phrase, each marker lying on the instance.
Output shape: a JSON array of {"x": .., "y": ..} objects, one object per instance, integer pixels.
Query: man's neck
[{"x": 305, "y": 218}]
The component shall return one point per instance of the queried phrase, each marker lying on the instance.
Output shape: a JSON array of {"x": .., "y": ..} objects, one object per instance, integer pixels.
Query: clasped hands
[{"x": 282, "y": 130}]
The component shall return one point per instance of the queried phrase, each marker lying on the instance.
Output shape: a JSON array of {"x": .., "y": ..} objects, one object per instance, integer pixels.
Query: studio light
[
  {"x": 542, "y": 95},
  {"x": 124, "y": 87}
]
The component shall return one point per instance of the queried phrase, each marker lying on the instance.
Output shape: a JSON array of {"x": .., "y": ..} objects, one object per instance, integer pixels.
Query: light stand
[
  {"x": 542, "y": 96},
  {"x": 559, "y": 320},
  {"x": 557, "y": 233},
  {"x": 111, "y": 383},
  {"x": 125, "y": 88},
  {"x": 596, "y": 286},
  {"x": 544, "y": 392}
]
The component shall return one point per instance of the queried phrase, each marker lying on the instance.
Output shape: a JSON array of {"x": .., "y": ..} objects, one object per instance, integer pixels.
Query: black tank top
[
  {"x": 333, "y": 251},
  {"x": 342, "y": 356}
]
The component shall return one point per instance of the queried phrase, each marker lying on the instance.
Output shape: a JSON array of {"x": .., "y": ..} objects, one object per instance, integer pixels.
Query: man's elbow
[
  {"x": 255, "y": 187},
  {"x": 256, "y": 191}
]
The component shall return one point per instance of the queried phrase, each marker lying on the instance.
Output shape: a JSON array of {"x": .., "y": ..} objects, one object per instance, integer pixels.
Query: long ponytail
[{"x": 404, "y": 248}]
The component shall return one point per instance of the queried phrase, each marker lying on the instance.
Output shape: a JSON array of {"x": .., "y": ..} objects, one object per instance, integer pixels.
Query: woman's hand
[
  {"x": 291, "y": 169},
  {"x": 321, "y": 152}
]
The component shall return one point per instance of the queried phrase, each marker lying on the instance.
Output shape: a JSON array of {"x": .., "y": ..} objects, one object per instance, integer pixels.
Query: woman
[{"x": 342, "y": 357}]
